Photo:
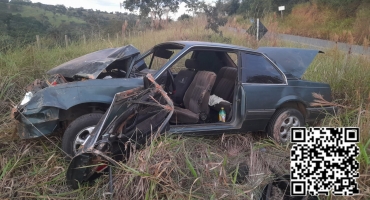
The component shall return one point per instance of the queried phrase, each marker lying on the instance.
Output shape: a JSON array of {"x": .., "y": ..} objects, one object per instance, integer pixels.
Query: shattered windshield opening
[
  {"x": 117, "y": 69},
  {"x": 154, "y": 59}
]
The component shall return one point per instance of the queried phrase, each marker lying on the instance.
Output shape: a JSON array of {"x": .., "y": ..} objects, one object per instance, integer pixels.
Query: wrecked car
[
  {"x": 84, "y": 86},
  {"x": 259, "y": 90}
]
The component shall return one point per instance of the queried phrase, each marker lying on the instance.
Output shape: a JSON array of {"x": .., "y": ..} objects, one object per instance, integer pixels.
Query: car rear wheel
[
  {"x": 281, "y": 123},
  {"x": 78, "y": 131}
]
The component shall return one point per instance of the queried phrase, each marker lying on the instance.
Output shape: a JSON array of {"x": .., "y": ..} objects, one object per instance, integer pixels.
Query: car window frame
[
  {"x": 188, "y": 49},
  {"x": 146, "y": 54},
  {"x": 229, "y": 60},
  {"x": 285, "y": 81},
  {"x": 185, "y": 51}
]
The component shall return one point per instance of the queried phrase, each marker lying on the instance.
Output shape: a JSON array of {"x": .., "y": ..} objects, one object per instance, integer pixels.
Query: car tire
[
  {"x": 77, "y": 132},
  {"x": 282, "y": 121}
]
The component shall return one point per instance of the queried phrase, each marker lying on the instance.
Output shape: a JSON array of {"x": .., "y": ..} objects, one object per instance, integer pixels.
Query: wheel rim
[
  {"x": 81, "y": 137},
  {"x": 286, "y": 125}
]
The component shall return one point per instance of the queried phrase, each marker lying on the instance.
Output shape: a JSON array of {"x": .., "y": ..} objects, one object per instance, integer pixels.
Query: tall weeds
[
  {"x": 326, "y": 23},
  {"x": 189, "y": 168},
  {"x": 172, "y": 167}
]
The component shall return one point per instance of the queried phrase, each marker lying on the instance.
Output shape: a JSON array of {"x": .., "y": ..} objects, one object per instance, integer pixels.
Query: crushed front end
[
  {"x": 135, "y": 117},
  {"x": 36, "y": 121}
]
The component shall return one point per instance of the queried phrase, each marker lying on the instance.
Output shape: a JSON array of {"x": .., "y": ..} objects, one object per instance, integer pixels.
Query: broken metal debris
[{"x": 135, "y": 120}]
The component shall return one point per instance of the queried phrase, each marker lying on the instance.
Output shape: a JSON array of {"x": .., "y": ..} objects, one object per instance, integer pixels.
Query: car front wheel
[
  {"x": 281, "y": 123},
  {"x": 78, "y": 131}
]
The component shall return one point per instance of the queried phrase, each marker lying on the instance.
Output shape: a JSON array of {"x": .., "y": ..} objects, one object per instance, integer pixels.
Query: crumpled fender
[{"x": 64, "y": 96}]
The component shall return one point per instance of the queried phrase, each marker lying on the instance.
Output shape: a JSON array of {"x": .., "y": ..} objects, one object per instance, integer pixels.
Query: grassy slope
[
  {"x": 106, "y": 15},
  {"x": 327, "y": 24},
  {"x": 56, "y": 20},
  {"x": 176, "y": 168}
]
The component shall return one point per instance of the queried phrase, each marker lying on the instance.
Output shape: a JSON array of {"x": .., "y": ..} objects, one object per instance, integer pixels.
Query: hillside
[
  {"x": 235, "y": 166},
  {"x": 21, "y": 21},
  {"x": 194, "y": 168},
  {"x": 341, "y": 21},
  {"x": 40, "y": 14},
  {"x": 349, "y": 24}
]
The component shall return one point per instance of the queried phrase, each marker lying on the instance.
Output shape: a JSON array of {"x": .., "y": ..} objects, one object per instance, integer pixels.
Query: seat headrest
[
  {"x": 191, "y": 64},
  {"x": 228, "y": 72}
]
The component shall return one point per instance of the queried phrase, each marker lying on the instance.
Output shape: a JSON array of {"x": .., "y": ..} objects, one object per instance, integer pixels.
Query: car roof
[
  {"x": 208, "y": 44},
  {"x": 291, "y": 61}
]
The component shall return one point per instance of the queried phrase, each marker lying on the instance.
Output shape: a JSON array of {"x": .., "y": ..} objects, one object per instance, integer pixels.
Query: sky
[{"x": 103, "y": 5}]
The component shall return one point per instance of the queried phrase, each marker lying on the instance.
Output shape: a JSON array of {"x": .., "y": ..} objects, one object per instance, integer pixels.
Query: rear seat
[{"x": 224, "y": 88}]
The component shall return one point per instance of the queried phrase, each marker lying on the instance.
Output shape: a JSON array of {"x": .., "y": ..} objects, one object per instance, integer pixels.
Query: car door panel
[{"x": 264, "y": 85}]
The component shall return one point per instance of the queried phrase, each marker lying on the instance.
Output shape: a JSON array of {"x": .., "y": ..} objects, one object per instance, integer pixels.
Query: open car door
[{"x": 134, "y": 117}]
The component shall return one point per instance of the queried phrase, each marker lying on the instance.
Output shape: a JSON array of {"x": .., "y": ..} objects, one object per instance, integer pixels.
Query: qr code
[{"x": 323, "y": 160}]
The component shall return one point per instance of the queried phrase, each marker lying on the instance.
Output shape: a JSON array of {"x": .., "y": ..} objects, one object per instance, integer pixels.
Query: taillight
[{"x": 101, "y": 167}]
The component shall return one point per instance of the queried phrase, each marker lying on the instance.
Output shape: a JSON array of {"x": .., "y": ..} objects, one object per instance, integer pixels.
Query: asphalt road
[{"x": 317, "y": 43}]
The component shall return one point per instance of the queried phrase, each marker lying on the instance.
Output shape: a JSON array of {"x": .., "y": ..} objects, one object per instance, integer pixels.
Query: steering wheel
[{"x": 170, "y": 82}]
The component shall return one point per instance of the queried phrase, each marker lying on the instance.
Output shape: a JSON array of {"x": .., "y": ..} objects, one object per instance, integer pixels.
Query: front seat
[
  {"x": 182, "y": 81},
  {"x": 224, "y": 88},
  {"x": 195, "y": 99}
]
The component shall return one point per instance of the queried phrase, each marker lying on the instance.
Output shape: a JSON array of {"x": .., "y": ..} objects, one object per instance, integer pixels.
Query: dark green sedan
[{"x": 259, "y": 90}]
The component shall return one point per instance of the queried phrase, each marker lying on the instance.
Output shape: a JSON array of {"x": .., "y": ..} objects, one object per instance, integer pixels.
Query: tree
[
  {"x": 231, "y": 6},
  {"x": 215, "y": 17},
  {"x": 184, "y": 17},
  {"x": 61, "y": 9},
  {"x": 193, "y": 6},
  {"x": 255, "y": 8},
  {"x": 289, "y": 4},
  {"x": 157, "y": 7}
]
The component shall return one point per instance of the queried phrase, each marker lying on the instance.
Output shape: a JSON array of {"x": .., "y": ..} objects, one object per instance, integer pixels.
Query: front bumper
[
  {"x": 34, "y": 125},
  {"x": 319, "y": 113}
]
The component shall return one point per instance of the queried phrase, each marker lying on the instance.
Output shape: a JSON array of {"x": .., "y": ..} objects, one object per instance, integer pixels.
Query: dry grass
[
  {"x": 172, "y": 167},
  {"x": 193, "y": 168},
  {"x": 36, "y": 169},
  {"x": 326, "y": 23}
]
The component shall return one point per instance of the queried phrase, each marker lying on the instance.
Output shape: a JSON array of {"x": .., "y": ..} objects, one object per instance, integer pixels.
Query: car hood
[
  {"x": 92, "y": 64},
  {"x": 292, "y": 61}
]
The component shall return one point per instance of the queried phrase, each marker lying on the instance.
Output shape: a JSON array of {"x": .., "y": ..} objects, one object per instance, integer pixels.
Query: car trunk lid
[{"x": 292, "y": 61}]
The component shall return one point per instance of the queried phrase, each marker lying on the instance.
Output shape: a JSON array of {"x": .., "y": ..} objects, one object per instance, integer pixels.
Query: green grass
[
  {"x": 56, "y": 20},
  {"x": 171, "y": 167},
  {"x": 105, "y": 15}
]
